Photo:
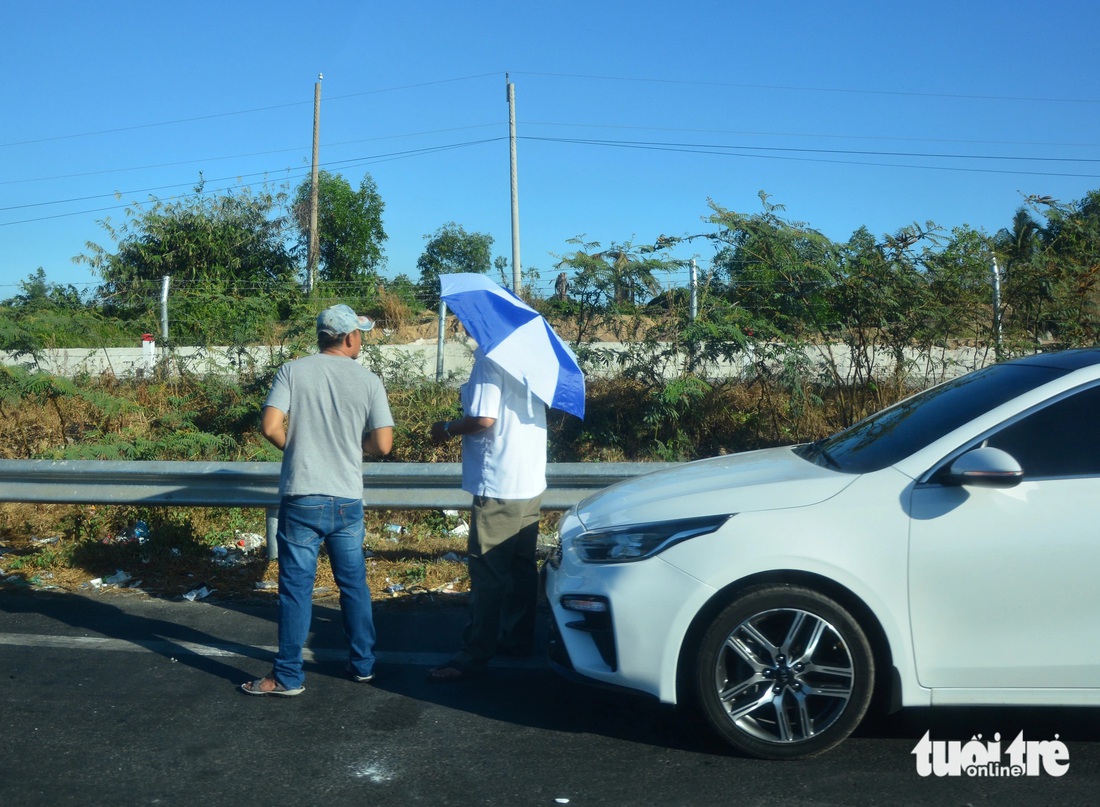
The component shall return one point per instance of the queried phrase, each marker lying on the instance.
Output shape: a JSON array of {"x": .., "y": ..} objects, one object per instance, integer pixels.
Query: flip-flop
[
  {"x": 453, "y": 672},
  {"x": 253, "y": 688}
]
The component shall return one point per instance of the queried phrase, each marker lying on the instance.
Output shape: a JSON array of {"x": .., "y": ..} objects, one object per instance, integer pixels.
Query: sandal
[
  {"x": 256, "y": 688},
  {"x": 454, "y": 671}
]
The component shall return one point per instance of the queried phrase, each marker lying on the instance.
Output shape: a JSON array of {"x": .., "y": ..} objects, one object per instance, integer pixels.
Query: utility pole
[
  {"x": 517, "y": 275},
  {"x": 311, "y": 260}
]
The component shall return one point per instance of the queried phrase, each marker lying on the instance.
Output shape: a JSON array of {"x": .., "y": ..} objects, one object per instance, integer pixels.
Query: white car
[{"x": 945, "y": 550}]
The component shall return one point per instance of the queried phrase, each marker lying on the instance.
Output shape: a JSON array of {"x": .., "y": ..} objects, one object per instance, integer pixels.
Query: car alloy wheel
[{"x": 784, "y": 672}]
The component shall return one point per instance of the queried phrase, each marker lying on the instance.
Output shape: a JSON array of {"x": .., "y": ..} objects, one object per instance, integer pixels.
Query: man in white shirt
[{"x": 503, "y": 432}]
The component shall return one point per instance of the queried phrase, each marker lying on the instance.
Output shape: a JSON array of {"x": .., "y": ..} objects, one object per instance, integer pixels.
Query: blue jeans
[{"x": 305, "y": 522}]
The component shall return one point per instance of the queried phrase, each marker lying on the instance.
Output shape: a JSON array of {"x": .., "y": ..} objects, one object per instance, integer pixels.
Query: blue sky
[{"x": 630, "y": 116}]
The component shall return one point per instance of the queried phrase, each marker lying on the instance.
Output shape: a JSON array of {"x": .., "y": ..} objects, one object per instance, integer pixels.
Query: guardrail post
[{"x": 272, "y": 529}]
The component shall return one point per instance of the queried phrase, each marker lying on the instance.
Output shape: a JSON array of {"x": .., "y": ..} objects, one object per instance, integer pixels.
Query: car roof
[{"x": 1073, "y": 359}]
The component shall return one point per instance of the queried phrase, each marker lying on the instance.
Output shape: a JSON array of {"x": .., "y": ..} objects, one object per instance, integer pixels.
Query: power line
[
  {"x": 776, "y": 152},
  {"x": 794, "y": 88},
  {"x": 726, "y": 152},
  {"x": 217, "y": 115},
  {"x": 856, "y": 152},
  {"x": 820, "y": 135},
  {"x": 349, "y": 163},
  {"x": 697, "y": 148}
]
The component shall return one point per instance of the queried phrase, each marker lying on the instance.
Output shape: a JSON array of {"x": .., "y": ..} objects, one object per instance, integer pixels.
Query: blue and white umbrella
[{"x": 517, "y": 338}]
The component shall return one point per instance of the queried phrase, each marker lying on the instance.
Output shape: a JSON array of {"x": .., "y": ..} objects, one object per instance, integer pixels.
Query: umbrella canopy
[{"x": 517, "y": 338}]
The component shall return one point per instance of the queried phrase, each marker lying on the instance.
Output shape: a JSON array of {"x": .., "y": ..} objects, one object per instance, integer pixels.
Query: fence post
[
  {"x": 272, "y": 529},
  {"x": 165, "y": 281},
  {"x": 694, "y": 291},
  {"x": 439, "y": 342},
  {"x": 997, "y": 349}
]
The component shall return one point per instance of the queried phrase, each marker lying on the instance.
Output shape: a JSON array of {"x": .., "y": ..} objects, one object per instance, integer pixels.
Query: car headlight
[{"x": 640, "y": 541}]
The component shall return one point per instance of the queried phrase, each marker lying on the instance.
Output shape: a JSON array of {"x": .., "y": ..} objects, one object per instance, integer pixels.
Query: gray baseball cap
[{"x": 341, "y": 319}]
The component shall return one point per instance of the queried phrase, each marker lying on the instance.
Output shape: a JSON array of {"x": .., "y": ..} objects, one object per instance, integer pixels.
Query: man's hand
[{"x": 440, "y": 431}]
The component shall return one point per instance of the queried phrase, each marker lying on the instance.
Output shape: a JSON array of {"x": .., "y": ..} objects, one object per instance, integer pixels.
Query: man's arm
[
  {"x": 379, "y": 442},
  {"x": 444, "y": 430},
  {"x": 274, "y": 426}
]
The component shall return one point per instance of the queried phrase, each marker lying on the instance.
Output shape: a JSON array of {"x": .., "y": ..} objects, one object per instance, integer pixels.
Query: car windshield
[{"x": 889, "y": 436}]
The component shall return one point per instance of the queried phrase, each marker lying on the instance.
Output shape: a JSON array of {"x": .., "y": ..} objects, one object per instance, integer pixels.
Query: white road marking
[{"x": 170, "y": 647}]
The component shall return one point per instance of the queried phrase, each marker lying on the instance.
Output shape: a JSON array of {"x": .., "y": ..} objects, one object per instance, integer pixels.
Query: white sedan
[{"x": 942, "y": 551}]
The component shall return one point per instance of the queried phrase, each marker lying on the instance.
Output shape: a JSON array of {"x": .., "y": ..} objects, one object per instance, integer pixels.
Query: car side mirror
[{"x": 985, "y": 468}]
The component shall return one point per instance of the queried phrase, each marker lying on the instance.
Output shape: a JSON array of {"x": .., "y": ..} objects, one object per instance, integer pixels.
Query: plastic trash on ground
[
  {"x": 199, "y": 593},
  {"x": 228, "y": 556},
  {"x": 446, "y": 588},
  {"x": 138, "y": 532},
  {"x": 249, "y": 541}
]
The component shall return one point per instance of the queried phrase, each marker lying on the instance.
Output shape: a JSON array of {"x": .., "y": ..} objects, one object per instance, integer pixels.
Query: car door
[{"x": 1004, "y": 583}]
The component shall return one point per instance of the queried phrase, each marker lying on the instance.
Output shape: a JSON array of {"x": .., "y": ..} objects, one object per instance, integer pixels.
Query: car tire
[{"x": 784, "y": 672}]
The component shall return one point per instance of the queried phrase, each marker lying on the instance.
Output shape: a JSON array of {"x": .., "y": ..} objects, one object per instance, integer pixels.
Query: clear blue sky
[{"x": 630, "y": 115}]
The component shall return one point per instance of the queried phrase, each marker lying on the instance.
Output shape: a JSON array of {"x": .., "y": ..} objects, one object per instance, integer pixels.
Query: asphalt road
[{"x": 122, "y": 699}]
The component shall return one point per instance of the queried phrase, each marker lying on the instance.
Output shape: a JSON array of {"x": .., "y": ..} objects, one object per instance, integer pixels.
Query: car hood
[{"x": 769, "y": 479}]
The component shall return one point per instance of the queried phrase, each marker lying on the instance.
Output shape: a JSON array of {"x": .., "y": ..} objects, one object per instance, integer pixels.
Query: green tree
[
  {"x": 450, "y": 250},
  {"x": 225, "y": 252},
  {"x": 620, "y": 277},
  {"x": 1027, "y": 291},
  {"x": 53, "y": 315},
  {"x": 776, "y": 269},
  {"x": 37, "y": 293},
  {"x": 349, "y": 227},
  {"x": 1068, "y": 262},
  {"x": 960, "y": 293}
]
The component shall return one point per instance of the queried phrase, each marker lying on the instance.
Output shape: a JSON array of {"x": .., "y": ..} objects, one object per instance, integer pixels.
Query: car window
[
  {"x": 889, "y": 436},
  {"x": 1062, "y": 439}
]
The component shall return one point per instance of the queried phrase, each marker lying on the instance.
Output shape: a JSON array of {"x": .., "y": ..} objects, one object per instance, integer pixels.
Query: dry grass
[{"x": 67, "y": 547}]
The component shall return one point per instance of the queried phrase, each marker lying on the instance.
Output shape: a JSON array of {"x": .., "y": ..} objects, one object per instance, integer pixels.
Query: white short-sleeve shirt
[{"x": 508, "y": 460}]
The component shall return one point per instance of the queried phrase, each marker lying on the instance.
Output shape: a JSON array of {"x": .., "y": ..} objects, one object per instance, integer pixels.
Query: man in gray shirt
[{"x": 324, "y": 412}]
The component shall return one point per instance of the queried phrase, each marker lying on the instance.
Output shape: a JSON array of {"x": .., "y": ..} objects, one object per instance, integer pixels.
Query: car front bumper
[{"x": 621, "y": 625}]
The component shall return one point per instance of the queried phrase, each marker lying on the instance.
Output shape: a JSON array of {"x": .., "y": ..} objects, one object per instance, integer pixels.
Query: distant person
[
  {"x": 334, "y": 411},
  {"x": 561, "y": 287},
  {"x": 503, "y": 432}
]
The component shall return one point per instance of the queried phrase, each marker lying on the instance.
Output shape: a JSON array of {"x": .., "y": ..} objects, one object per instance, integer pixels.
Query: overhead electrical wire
[
  {"x": 795, "y": 88},
  {"x": 750, "y": 151}
]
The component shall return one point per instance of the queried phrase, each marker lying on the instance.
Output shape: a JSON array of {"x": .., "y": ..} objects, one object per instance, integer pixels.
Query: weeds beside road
[{"x": 74, "y": 549}]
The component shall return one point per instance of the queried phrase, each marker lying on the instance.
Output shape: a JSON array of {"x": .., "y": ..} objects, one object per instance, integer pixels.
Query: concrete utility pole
[
  {"x": 313, "y": 244},
  {"x": 517, "y": 275}
]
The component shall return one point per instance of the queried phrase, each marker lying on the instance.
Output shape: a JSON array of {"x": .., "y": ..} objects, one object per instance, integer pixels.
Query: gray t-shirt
[{"x": 332, "y": 403}]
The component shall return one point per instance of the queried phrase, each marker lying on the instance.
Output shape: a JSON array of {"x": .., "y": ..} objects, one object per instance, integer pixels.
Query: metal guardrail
[{"x": 386, "y": 485}]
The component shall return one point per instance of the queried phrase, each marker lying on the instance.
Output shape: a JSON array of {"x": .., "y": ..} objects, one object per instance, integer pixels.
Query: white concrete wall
[{"x": 419, "y": 360}]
